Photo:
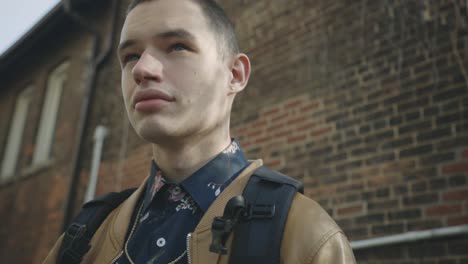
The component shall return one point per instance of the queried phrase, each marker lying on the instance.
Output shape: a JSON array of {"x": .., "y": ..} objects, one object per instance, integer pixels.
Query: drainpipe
[
  {"x": 95, "y": 62},
  {"x": 99, "y": 135},
  {"x": 410, "y": 237}
]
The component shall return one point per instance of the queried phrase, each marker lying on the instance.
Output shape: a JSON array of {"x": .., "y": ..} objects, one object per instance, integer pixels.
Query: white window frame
[
  {"x": 46, "y": 132},
  {"x": 15, "y": 135}
]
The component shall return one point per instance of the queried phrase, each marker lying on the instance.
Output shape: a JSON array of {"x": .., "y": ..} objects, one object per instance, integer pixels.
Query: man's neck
[{"x": 179, "y": 160}]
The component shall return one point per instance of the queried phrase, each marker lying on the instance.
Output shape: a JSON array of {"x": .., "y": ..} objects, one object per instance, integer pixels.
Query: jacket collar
[
  {"x": 201, "y": 236},
  {"x": 234, "y": 189},
  {"x": 123, "y": 215}
]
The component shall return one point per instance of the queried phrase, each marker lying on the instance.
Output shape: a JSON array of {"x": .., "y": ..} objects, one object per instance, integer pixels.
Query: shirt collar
[{"x": 206, "y": 183}]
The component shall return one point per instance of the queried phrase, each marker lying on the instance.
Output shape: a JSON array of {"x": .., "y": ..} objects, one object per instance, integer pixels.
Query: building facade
[{"x": 366, "y": 102}]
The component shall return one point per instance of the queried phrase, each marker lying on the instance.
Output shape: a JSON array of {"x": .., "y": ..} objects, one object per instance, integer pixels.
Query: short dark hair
[{"x": 218, "y": 21}]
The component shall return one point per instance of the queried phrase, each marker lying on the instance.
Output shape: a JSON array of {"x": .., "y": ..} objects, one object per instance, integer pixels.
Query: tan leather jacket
[{"x": 310, "y": 235}]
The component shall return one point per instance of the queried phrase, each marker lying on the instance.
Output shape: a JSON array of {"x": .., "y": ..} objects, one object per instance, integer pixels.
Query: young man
[{"x": 181, "y": 70}]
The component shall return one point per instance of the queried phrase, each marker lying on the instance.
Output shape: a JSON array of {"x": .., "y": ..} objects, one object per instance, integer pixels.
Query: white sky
[{"x": 18, "y": 16}]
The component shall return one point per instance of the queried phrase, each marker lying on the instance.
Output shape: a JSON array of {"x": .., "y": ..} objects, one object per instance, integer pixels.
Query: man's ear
[{"x": 240, "y": 73}]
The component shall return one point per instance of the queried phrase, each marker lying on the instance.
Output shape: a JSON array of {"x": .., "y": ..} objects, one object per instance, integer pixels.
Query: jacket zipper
[
  {"x": 117, "y": 257},
  {"x": 189, "y": 257}
]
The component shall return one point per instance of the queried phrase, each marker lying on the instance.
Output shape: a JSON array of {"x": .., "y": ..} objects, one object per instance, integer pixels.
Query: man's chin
[
  {"x": 156, "y": 134},
  {"x": 151, "y": 129},
  {"x": 153, "y": 136}
]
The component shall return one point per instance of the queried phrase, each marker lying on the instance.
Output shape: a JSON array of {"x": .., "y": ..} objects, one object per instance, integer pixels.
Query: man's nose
[{"x": 148, "y": 68}]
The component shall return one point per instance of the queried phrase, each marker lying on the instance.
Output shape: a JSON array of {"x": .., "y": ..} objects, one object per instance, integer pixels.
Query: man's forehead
[
  {"x": 135, "y": 3},
  {"x": 159, "y": 16},
  {"x": 168, "y": 11}
]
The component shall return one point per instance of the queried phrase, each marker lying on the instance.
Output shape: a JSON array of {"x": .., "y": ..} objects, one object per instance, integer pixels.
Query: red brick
[
  {"x": 326, "y": 191},
  {"x": 293, "y": 104},
  {"x": 366, "y": 172},
  {"x": 255, "y": 133},
  {"x": 442, "y": 210},
  {"x": 296, "y": 120},
  {"x": 297, "y": 138},
  {"x": 55, "y": 197},
  {"x": 247, "y": 144},
  {"x": 29, "y": 149},
  {"x": 272, "y": 111},
  {"x": 321, "y": 131},
  {"x": 259, "y": 123},
  {"x": 460, "y": 220},
  {"x": 263, "y": 139},
  {"x": 276, "y": 127},
  {"x": 312, "y": 193},
  {"x": 239, "y": 130},
  {"x": 381, "y": 180},
  {"x": 398, "y": 166},
  {"x": 358, "y": 186},
  {"x": 310, "y": 106},
  {"x": 350, "y": 210},
  {"x": 465, "y": 154},
  {"x": 282, "y": 134},
  {"x": 280, "y": 117},
  {"x": 273, "y": 163},
  {"x": 455, "y": 168},
  {"x": 457, "y": 195},
  {"x": 306, "y": 126}
]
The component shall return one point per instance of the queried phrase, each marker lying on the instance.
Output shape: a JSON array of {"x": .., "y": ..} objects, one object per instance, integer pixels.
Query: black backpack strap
[
  {"x": 77, "y": 237},
  {"x": 268, "y": 195}
]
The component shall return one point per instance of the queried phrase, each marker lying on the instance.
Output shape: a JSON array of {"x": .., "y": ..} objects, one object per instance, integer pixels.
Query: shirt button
[
  {"x": 176, "y": 190},
  {"x": 161, "y": 242}
]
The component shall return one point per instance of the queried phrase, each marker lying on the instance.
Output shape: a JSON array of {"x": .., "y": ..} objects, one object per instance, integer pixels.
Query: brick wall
[
  {"x": 367, "y": 103},
  {"x": 364, "y": 101}
]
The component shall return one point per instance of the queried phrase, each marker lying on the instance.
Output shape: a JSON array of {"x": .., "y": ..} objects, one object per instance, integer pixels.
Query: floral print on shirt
[
  {"x": 170, "y": 211},
  {"x": 216, "y": 186},
  {"x": 187, "y": 204},
  {"x": 175, "y": 193},
  {"x": 232, "y": 149},
  {"x": 158, "y": 184}
]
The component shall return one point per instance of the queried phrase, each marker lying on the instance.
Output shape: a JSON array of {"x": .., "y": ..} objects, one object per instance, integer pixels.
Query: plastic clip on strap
[
  {"x": 77, "y": 237},
  {"x": 223, "y": 226}
]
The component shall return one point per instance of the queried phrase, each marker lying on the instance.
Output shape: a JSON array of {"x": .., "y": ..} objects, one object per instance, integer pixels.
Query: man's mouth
[{"x": 150, "y": 100}]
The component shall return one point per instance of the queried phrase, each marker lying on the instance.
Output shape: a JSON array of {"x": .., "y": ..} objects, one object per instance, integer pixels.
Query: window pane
[
  {"x": 15, "y": 135},
  {"x": 49, "y": 114}
]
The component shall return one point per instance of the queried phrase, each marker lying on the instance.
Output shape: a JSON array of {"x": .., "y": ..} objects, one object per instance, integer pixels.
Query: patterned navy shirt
[{"x": 168, "y": 212}]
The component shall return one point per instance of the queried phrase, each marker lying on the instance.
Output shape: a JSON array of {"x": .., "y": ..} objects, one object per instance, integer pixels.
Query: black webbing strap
[
  {"x": 269, "y": 195},
  {"x": 77, "y": 237}
]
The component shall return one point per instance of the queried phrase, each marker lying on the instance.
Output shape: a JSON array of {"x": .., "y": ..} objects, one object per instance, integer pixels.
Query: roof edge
[{"x": 56, "y": 10}]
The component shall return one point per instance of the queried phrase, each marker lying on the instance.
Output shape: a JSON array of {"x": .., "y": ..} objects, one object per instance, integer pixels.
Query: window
[
  {"x": 15, "y": 135},
  {"x": 49, "y": 114}
]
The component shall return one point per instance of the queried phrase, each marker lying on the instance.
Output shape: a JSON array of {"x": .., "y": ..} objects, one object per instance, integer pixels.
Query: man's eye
[
  {"x": 130, "y": 57},
  {"x": 178, "y": 47}
]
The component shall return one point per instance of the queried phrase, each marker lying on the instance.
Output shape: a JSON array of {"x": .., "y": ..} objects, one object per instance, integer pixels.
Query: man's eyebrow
[
  {"x": 176, "y": 33},
  {"x": 125, "y": 44}
]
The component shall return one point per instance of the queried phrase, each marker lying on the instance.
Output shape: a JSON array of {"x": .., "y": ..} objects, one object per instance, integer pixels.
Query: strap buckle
[
  {"x": 76, "y": 230},
  {"x": 260, "y": 211},
  {"x": 74, "y": 245}
]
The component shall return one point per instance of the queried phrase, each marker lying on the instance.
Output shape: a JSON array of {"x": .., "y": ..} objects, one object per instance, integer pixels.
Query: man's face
[{"x": 175, "y": 83}]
